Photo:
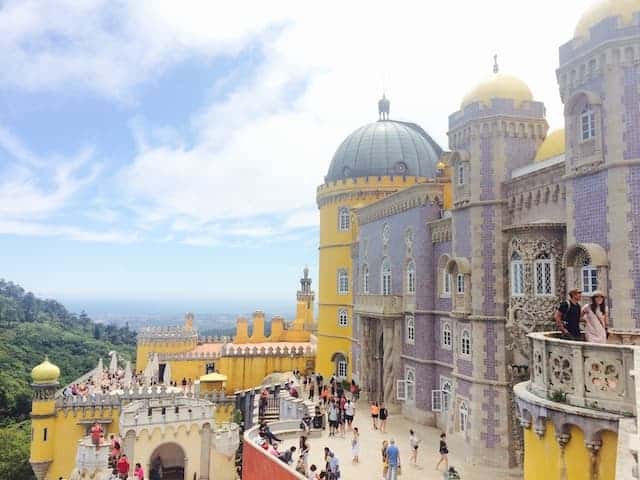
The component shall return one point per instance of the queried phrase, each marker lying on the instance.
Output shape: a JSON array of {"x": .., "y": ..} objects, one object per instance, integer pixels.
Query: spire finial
[{"x": 495, "y": 64}]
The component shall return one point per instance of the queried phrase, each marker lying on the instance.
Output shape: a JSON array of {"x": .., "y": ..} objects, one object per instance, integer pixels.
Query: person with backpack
[{"x": 568, "y": 316}]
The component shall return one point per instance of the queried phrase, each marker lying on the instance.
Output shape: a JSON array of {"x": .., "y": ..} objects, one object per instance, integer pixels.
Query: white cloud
[
  {"x": 260, "y": 152},
  {"x": 41, "y": 229}
]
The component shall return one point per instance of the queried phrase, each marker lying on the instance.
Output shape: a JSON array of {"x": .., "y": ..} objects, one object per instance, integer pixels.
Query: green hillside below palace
[{"x": 30, "y": 328}]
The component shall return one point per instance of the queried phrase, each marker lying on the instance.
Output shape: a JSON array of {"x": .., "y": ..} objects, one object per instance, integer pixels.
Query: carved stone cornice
[
  {"x": 440, "y": 230},
  {"x": 416, "y": 196}
]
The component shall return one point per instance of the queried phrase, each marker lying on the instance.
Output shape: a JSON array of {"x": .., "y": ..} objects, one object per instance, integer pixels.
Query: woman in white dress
[
  {"x": 596, "y": 319},
  {"x": 355, "y": 446}
]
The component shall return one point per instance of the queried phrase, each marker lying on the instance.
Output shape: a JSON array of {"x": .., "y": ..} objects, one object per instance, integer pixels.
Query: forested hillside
[{"x": 30, "y": 328}]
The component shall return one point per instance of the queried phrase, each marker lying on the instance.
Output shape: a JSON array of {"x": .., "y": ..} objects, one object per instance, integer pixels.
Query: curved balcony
[
  {"x": 379, "y": 305},
  {"x": 583, "y": 374}
]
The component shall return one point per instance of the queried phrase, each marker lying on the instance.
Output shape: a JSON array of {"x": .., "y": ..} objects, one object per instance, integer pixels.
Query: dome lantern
[{"x": 383, "y": 108}]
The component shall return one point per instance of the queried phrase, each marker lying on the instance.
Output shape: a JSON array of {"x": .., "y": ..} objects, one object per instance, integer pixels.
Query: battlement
[
  {"x": 277, "y": 350},
  {"x": 214, "y": 339},
  {"x": 163, "y": 357}
]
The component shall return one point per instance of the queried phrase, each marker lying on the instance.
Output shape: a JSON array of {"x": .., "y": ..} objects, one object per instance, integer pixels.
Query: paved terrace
[{"x": 370, "y": 466}]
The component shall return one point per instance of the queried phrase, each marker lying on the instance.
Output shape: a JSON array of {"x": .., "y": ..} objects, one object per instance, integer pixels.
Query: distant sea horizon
[{"x": 209, "y": 313}]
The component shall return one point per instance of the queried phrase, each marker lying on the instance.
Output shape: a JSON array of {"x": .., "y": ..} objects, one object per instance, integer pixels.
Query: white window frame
[
  {"x": 341, "y": 367},
  {"x": 411, "y": 277},
  {"x": 517, "y": 276},
  {"x": 463, "y": 416},
  {"x": 460, "y": 283},
  {"x": 591, "y": 285},
  {"x": 344, "y": 219},
  {"x": 436, "y": 400},
  {"x": 401, "y": 390},
  {"x": 343, "y": 318},
  {"x": 386, "y": 278},
  {"x": 410, "y": 329},
  {"x": 587, "y": 124},
  {"x": 538, "y": 288},
  {"x": 465, "y": 342},
  {"x": 365, "y": 278},
  {"x": 461, "y": 178},
  {"x": 447, "y": 336},
  {"x": 446, "y": 387},
  {"x": 343, "y": 281},
  {"x": 446, "y": 284}
]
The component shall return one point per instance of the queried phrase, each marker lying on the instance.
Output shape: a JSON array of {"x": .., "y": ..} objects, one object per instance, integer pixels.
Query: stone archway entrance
[{"x": 167, "y": 462}]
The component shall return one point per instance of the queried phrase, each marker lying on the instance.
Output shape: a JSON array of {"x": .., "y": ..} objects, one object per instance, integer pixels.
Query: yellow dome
[
  {"x": 498, "y": 85},
  {"x": 605, "y": 9},
  {"x": 46, "y": 372},
  {"x": 552, "y": 146}
]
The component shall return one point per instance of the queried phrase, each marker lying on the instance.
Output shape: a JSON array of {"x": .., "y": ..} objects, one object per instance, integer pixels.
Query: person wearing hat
[
  {"x": 596, "y": 318},
  {"x": 568, "y": 316}
]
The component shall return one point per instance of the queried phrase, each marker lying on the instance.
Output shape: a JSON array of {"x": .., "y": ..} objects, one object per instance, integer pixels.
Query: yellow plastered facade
[{"x": 544, "y": 458}]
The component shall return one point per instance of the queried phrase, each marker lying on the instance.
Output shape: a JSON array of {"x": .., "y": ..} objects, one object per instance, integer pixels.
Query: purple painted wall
[
  {"x": 462, "y": 233},
  {"x": 634, "y": 239},
  {"x": 590, "y": 209},
  {"x": 631, "y": 124}
]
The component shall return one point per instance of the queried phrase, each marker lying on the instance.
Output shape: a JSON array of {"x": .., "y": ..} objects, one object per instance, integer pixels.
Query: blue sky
[{"x": 172, "y": 149}]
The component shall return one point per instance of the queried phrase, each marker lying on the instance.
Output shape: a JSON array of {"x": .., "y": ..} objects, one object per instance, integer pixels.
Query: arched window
[
  {"x": 410, "y": 329},
  {"x": 446, "y": 387},
  {"x": 589, "y": 279},
  {"x": 465, "y": 342},
  {"x": 343, "y": 282},
  {"x": 517, "y": 275},
  {"x": 343, "y": 318},
  {"x": 410, "y": 377},
  {"x": 446, "y": 284},
  {"x": 587, "y": 123},
  {"x": 386, "y": 233},
  {"x": 460, "y": 283},
  {"x": 446, "y": 335},
  {"x": 341, "y": 366},
  {"x": 344, "y": 220},
  {"x": 386, "y": 277},
  {"x": 411, "y": 277},
  {"x": 463, "y": 416},
  {"x": 365, "y": 278},
  {"x": 543, "y": 274}
]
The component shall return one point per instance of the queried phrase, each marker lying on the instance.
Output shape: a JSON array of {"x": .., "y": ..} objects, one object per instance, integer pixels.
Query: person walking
[
  {"x": 349, "y": 412},
  {"x": 568, "y": 315},
  {"x": 414, "y": 443},
  {"x": 384, "y": 414},
  {"x": 385, "y": 465},
  {"x": 375, "y": 411},
  {"x": 444, "y": 452},
  {"x": 393, "y": 460},
  {"x": 123, "y": 467},
  {"x": 333, "y": 419},
  {"x": 333, "y": 466},
  {"x": 595, "y": 316},
  {"x": 355, "y": 446},
  {"x": 138, "y": 472}
]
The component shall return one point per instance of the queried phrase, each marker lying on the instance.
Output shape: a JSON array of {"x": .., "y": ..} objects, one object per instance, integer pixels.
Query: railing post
[{"x": 577, "y": 364}]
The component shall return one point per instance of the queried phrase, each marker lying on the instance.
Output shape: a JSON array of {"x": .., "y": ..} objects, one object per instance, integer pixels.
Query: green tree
[{"x": 14, "y": 454}]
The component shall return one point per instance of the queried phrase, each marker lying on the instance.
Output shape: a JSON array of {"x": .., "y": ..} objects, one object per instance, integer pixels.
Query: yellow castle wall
[
  {"x": 68, "y": 431},
  {"x": 543, "y": 458},
  {"x": 143, "y": 349}
]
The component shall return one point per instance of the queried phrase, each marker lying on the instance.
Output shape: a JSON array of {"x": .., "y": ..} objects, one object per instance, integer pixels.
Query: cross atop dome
[{"x": 383, "y": 108}]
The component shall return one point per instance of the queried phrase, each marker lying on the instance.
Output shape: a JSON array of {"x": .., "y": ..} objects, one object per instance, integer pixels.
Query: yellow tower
[
  {"x": 376, "y": 160},
  {"x": 43, "y": 415}
]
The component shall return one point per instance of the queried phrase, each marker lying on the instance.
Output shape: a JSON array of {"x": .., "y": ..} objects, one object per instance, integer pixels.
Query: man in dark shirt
[{"x": 567, "y": 316}]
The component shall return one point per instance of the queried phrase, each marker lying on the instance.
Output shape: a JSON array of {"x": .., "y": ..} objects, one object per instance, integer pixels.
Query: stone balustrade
[
  {"x": 226, "y": 438},
  {"x": 247, "y": 350},
  {"x": 188, "y": 356},
  {"x": 379, "y": 305},
  {"x": 141, "y": 393},
  {"x": 213, "y": 339},
  {"x": 583, "y": 374},
  {"x": 623, "y": 337}
]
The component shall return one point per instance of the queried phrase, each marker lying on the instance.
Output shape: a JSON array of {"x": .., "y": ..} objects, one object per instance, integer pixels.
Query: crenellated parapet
[
  {"x": 214, "y": 339},
  {"x": 172, "y": 333}
]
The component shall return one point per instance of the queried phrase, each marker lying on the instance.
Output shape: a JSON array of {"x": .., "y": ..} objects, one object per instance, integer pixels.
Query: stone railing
[
  {"x": 583, "y": 374},
  {"x": 213, "y": 339},
  {"x": 258, "y": 463},
  {"x": 90, "y": 460},
  {"x": 159, "y": 412},
  {"x": 164, "y": 333},
  {"x": 82, "y": 379},
  {"x": 379, "y": 305},
  {"x": 623, "y": 337},
  {"x": 142, "y": 393},
  {"x": 246, "y": 350}
]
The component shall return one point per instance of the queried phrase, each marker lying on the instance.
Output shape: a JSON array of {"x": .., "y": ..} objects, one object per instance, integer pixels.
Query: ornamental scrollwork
[
  {"x": 561, "y": 371},
  {"x": 603, "y": 375}
]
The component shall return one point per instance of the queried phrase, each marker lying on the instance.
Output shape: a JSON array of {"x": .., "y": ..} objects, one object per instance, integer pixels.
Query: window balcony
[{"x": 379, "y": 305}]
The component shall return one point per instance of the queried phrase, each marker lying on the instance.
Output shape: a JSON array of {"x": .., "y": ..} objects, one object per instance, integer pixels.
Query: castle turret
[
  {"x": 188, "y": 322},
  {"x": 304, "y": 308},
  {"x": 257, "y": 334},
  {"x": 45, "y": 382}
]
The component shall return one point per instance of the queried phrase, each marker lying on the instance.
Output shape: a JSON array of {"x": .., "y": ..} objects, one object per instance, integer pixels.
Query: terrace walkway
[{"x": 370, "y": 466}]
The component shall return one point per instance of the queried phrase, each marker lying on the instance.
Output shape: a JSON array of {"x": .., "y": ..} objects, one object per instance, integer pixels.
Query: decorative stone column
[
  {"x": 563, "y": 440},
  {"x": 40, "y": 469},
  {"x": 205, "y": 451},
  {"x": 388, "y": 372},
  {"x": 594, "y": 447}
]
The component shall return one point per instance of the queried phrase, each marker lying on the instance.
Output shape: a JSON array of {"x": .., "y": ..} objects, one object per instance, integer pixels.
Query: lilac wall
[
  {"x": 590, "y": 209},
  {"x": 631, "y": 124},
  {"x": 439, "y": 249},
  {"x": 634, "y": 238},
  {"x": 462, "y": 231}
]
